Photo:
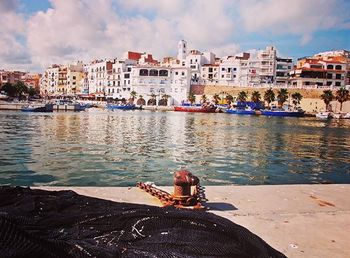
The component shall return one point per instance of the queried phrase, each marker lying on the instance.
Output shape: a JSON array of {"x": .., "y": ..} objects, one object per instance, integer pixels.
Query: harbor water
[{"x": 119, "y": 148}]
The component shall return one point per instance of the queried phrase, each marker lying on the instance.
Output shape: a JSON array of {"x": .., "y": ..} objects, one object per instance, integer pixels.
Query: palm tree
[
  {"x": 204, "y": 98},
  {"x": 192, "y": 98},
  {"x": 242, "y": 96},
  {"x": 256, "y": 97},
  {"x": 216, "y": 99},
  {"x": 229, "y": 99},
  {"x": 141, "y": 101},
  {"x": 342, "y": 95},
  {"x": 269, "y": 96},
  {"x": 282, "y": 96},
  {"x": 327, "y": 97},
  {"x": 152, "y": 101},
  {"x": 164, "y": 100},
  {"x": 296, "y": 96},
  {"x": 133, "y": 95}
]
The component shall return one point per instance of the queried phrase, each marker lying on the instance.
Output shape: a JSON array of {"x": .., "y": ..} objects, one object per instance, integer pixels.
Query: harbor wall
[{"x": 311, "y": 101}]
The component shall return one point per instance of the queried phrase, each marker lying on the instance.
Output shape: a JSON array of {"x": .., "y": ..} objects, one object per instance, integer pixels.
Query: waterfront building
[
  {"x": 283, "y": 68},
  {"x": 233, "y": 70},
  {"x": 210, "y": 73},
  {"x": 311, "y": 73},
  {"x": 10, "y": 77},
  {"x": 97, "y": 77},
  {"x": 62, "y": 80},
  {"x": 32, "y": 80},
  {"x": 74, "y": 78},
  {"x": 49, "y": 81},
  {"x": 161, "y": 82},
  {"x": 119, "y": 81}
]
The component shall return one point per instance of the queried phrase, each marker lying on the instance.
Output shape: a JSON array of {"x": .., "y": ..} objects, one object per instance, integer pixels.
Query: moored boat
[
  {"x": 37, "y": 108},
  {"x": 241, "y": 111},
  {"x": 121, "y": 107},
  {"x": 210, "y": 109},
  {"x": 283, "y": 112},
  {"x": 323, "y": 115}
]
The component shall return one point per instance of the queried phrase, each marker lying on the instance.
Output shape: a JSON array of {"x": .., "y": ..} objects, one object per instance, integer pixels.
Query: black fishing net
[{"x": 38, "y": 223}]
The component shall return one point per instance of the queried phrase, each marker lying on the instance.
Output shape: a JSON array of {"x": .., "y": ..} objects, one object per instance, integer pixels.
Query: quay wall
[{"x": 311, "y": 101}]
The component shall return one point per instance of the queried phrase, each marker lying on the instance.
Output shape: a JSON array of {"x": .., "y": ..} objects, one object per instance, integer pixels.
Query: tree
[
  {"x": 20, "y": 89},
  {"x": 296, "y": 96},
  {"x": 32, "y": 92},
  {"x": 269, "y": 96},
  {"x": 164, "y": 100},
  {"x": 229, "y": 99},
  {"x": 133, "y": 95},
  {"x": 9, "y": 89},
  {"x": 216, "y": 99},
  {"x": 342, "y": 95},
  {"x": 204, "y": 98},
  {"x": 242, "y": 96},
  {"x": 192, "y": 98},
  {"x": 327, "y": 97},
  {"x": 282, "y": 96},
  {"x": 256, "y": 97}
]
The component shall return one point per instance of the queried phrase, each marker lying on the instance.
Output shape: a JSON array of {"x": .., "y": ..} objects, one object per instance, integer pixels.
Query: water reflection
[{"x": 120, "y": 148}]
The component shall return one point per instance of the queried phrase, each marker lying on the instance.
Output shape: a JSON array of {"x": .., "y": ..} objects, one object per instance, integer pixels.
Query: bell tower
[{"x": 181, "y": 50}]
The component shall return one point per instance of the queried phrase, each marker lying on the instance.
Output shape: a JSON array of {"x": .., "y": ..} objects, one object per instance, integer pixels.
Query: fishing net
[{"x": 38, "y": 223}]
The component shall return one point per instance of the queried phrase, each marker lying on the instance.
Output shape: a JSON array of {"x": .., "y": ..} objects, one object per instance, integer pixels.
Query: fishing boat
[
  {"x": 37, "y": 108},
  {"x": 336, "y": 115},
  {"x": 196, "y": 109},
  {"x": 347, "y": 116},
  {"x": 323, "y": 115},
  {"x": 285, "y": 111},
  {"x": 241, "y": 111},
  {"x": 120, "y": 106}
]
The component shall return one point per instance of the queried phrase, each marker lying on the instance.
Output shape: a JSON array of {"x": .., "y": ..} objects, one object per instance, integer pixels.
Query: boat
[
  {"x": 120, "y": 106},
  {"x": 346, "y": 116},
  {"x": 285, "y": 111},
  {"x": 323, "y": 115},
  {"x": 241, "y": 111},
  {"x": 37, "y": 108},
  {"x": 336, "y": 115},
  {"x": 195, "y": 109}
]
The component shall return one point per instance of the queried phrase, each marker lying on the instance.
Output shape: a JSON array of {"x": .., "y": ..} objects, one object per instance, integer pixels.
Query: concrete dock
[{"x": 298, "y": 220}]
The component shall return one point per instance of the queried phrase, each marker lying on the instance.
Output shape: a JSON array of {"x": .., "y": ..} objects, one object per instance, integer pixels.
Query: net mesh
[{"x": 38, "y": 223}]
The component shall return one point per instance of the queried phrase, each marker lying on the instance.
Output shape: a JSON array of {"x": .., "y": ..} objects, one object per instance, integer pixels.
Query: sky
[{"x": 38, "y": 33}]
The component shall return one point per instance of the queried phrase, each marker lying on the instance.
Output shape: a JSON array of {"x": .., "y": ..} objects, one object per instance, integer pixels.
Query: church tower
[{"x": 181, "y": 50}]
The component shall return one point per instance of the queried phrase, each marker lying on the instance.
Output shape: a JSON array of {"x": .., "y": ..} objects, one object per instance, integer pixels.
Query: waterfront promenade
[{"x": 298, "y": 220}]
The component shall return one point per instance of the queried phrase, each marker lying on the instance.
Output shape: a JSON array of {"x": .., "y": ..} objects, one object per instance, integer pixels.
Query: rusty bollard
[{"x": 183, "y": 182}]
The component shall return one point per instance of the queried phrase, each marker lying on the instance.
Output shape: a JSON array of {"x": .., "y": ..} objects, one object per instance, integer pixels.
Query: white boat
[
  {"x": 337, "y": 115},
  {"x": 323, "y": 115},
  {"x": 346, "y": 116}
]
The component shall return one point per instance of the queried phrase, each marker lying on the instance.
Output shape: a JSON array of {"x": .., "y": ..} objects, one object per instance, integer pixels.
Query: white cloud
[
  {"x": 85, "y": 29},
  {"x": 12, "y": 52},
  {"x": 298, "y": 17}
]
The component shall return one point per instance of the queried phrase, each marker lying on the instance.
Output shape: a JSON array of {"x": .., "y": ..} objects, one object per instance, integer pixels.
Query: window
[
  {"x": 127, "y": 75},
  {"x": 338, "y": 76},
  {"x": 113, "y": 70},
  {"x": 307, "y": 83},
  {"x": 222, "y": 76},
  {"x": 234, "y": 76},
  {"x": 143, "y": 72},
  {"x": 153, "y": 72},
  {"x": 330, "y": 67},
  {"x": 329, "y": 76},
  {"x": 223, "y": 69},
  {"x": 337, "y": 83},
  {"x": 210, "y": 69},
  {"x": 176, "y": 73},
  {"x": 338, "y": 67},
  {"x": 229, "y": 70},
  {"x": 329, "y": 83},
  {"x": 129, "y": 69},
  {"x": 74, "y": 77},
  {"x": 234, "y": 69},
  {"x": 163, "y": 73},
  {"x": 183, "y": 73}
]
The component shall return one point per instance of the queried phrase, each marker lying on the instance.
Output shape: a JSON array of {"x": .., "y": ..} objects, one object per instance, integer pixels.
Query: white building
[
  {"x": 97, "y": 77},
  {"x": 159, "y": 81},
  {"x": 283, "y": 68}
]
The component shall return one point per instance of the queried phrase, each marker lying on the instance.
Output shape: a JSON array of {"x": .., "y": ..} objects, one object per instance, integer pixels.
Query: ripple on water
[{"x": 120, "y": 148}]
